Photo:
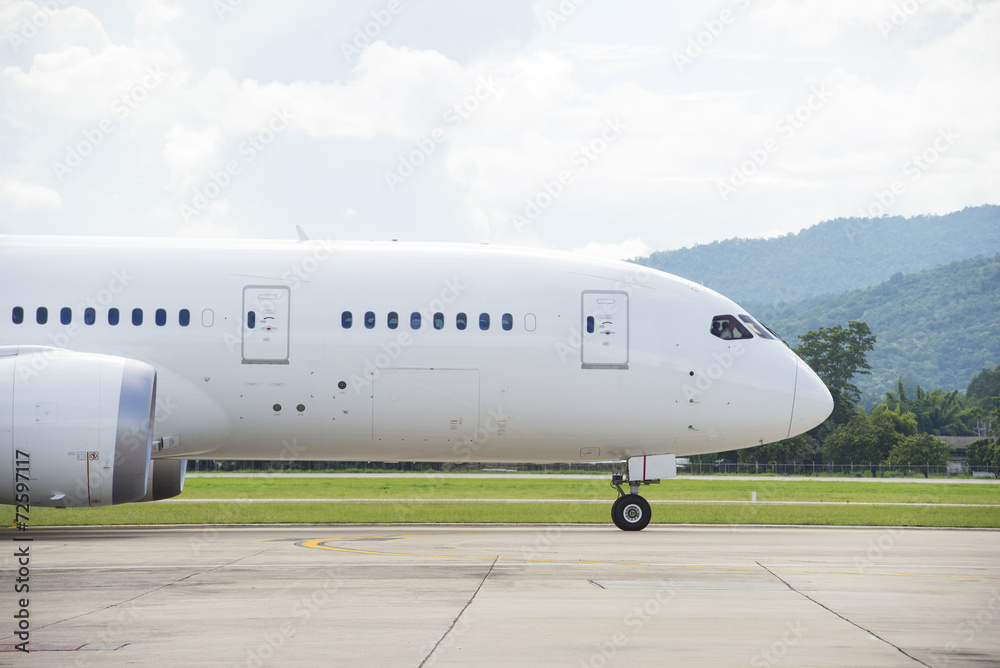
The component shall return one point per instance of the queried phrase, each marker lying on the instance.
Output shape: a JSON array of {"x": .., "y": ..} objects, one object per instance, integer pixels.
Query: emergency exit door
[
  {"x": 604, "y": 340},
  {"x": 265, "y": 324}
]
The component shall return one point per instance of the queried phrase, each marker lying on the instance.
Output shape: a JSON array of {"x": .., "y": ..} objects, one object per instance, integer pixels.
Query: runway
[{"x": 461, "y": 595}]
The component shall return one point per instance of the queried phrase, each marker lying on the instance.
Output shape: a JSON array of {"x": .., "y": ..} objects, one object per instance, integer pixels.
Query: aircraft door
[
  {"x": 604, "y": 330},
  {"x": 265, "y": 324}
]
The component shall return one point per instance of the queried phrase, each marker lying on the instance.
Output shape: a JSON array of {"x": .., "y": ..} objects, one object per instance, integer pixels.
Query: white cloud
[
  {"x": 23, "y": 196},
  {"x": 625, "y": 250},
  {"x": 556, "y": 90}
]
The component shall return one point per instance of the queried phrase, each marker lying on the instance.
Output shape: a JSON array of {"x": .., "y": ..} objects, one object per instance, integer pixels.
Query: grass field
[{"x": 836, "y": 503}]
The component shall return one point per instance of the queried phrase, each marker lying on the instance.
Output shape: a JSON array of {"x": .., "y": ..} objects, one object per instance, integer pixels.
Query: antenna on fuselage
[{"x": 302, "y": 235}]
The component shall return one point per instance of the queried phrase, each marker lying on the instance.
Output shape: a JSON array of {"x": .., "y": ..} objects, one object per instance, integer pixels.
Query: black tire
[
  {"x": 616, "y": 515},
  {"x": 631, "y": 513}
]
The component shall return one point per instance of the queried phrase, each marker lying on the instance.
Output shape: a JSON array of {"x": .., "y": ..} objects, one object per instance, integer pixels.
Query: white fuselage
[{"x": 583, "y": 360}]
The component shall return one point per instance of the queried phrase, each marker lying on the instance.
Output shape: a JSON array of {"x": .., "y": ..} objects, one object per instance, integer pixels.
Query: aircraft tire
[{"x": 631, "y": 513}]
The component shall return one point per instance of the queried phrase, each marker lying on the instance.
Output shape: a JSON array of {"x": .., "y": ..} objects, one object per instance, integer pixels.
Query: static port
[
  {"x": 342, "y": 385},
  {"x": 300, "y": 408},
  {"x": 276, "y": 407}
]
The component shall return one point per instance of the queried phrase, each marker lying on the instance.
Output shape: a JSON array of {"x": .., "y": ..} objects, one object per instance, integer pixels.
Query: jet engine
[{"x": 75, "y": 429}]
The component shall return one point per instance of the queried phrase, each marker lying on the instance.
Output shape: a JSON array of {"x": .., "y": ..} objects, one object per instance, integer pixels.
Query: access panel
[
  {"x": 424, "y": 405},
  {"x": 604, "y": 340}
]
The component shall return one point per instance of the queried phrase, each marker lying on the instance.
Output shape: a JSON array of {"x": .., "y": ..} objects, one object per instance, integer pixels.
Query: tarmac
[{"x": 476, "y": 595}]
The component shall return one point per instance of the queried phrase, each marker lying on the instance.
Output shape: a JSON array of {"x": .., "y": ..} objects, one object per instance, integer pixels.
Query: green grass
[
  {"x": 516, "y": 488},
  {"x": 832, "y": 494},
  {"x": 377, "y": 513}
]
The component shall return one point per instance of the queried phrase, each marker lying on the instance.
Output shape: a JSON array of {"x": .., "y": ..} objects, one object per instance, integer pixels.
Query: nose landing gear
[{"x": 630, "y": 512}]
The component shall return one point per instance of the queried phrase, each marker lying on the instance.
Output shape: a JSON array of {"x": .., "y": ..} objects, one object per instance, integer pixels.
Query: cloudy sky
[{"x": 615, "y": 128}]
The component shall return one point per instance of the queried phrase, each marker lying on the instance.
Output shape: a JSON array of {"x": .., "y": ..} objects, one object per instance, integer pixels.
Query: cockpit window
[
  {"x": 729, "y": 327},
  {"x": 755, "y": 327}
]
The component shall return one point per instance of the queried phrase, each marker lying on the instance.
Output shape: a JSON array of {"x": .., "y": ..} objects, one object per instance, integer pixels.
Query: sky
[{"x": 612, "y": 129}]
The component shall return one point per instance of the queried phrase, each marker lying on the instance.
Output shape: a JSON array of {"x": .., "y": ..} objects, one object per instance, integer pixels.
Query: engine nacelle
[
  {"x": 166, "y": 479},
  {"x": 80, "y": 429}
]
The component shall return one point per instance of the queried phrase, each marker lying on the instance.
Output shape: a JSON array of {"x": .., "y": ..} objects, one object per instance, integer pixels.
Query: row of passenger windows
[
  {"x": 90, "y": 316},
  {"x": 438, "y": 320}
]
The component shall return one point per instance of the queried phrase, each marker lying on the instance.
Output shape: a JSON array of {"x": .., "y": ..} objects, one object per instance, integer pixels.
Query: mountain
[
  {"x": 833, "y": 256},
  {"x": 937, "y": 327}
]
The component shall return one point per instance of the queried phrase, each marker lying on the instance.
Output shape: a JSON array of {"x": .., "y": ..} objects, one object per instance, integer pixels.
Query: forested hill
[
  {"x": 833, "y": 256},
  {"x": 938, "y": 327}
]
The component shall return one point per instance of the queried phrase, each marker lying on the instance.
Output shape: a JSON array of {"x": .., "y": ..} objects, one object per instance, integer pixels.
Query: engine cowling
[{"x": 80, "y": 429}]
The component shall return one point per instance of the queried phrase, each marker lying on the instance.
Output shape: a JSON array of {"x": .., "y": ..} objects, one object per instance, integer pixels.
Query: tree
[
  {"x": 984, "y": 384},
  {"x": 939, "y": 411},
  {"x": 837, "y": 355},
  {"x": 984, "y": 452},
  {"x": 921, "y": 450},
  {"x": 801, "y": 448},
  {"x": 869, "y": 440}
]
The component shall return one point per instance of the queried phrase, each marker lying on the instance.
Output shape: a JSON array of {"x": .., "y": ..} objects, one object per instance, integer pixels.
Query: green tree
[
  {"x": 984, "y": 452},
  {"x": 939, "y": 411},
  {"x": 837, "y": 354},
  {"x": 984, "y": 384},
  {"x": 869, "y": 440},
  {"x": 919, "y": 450},
  {"x": 802, "y": 448}
]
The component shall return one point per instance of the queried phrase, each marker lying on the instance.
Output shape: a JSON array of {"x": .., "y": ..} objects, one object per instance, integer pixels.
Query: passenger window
[
  {"x": 346, "y": 319},
  {"x": 66, "y": 315},
  {"x": 439, "y": 321},
  {"x": 484, "y": 321},
  {"x": 370, "y": 320},
  {"x": 507, "y": 322},
  {"x": 728, "y": 327},
  {"x": 17, "y": 315},
  {"x": 112, "y": 316},
  {"x": 42, "y": 315},
  {"x": 393, "y": 320},
  {"x": 461, "y": 321},
  {"x": 414, "y": 320},
  {"x": 184, "y": 317},
  {"x": 161, "y": 317},
  {"x": 137, "y": 316},
  {"x": 89, "y": 316}
]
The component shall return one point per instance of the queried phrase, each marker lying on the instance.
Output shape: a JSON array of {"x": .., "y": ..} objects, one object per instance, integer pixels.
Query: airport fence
[{"x": 811, "y": 469}]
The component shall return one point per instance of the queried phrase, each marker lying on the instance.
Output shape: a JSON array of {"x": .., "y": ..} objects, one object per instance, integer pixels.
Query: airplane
[{"x": 122, "y": 358}]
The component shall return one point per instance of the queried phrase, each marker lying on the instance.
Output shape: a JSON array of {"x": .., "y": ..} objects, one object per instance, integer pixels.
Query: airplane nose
[{"x": 813, "y": 402}]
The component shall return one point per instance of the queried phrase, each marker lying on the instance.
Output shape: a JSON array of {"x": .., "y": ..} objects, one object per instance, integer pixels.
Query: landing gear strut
[{"x": 630, "y": 512}]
